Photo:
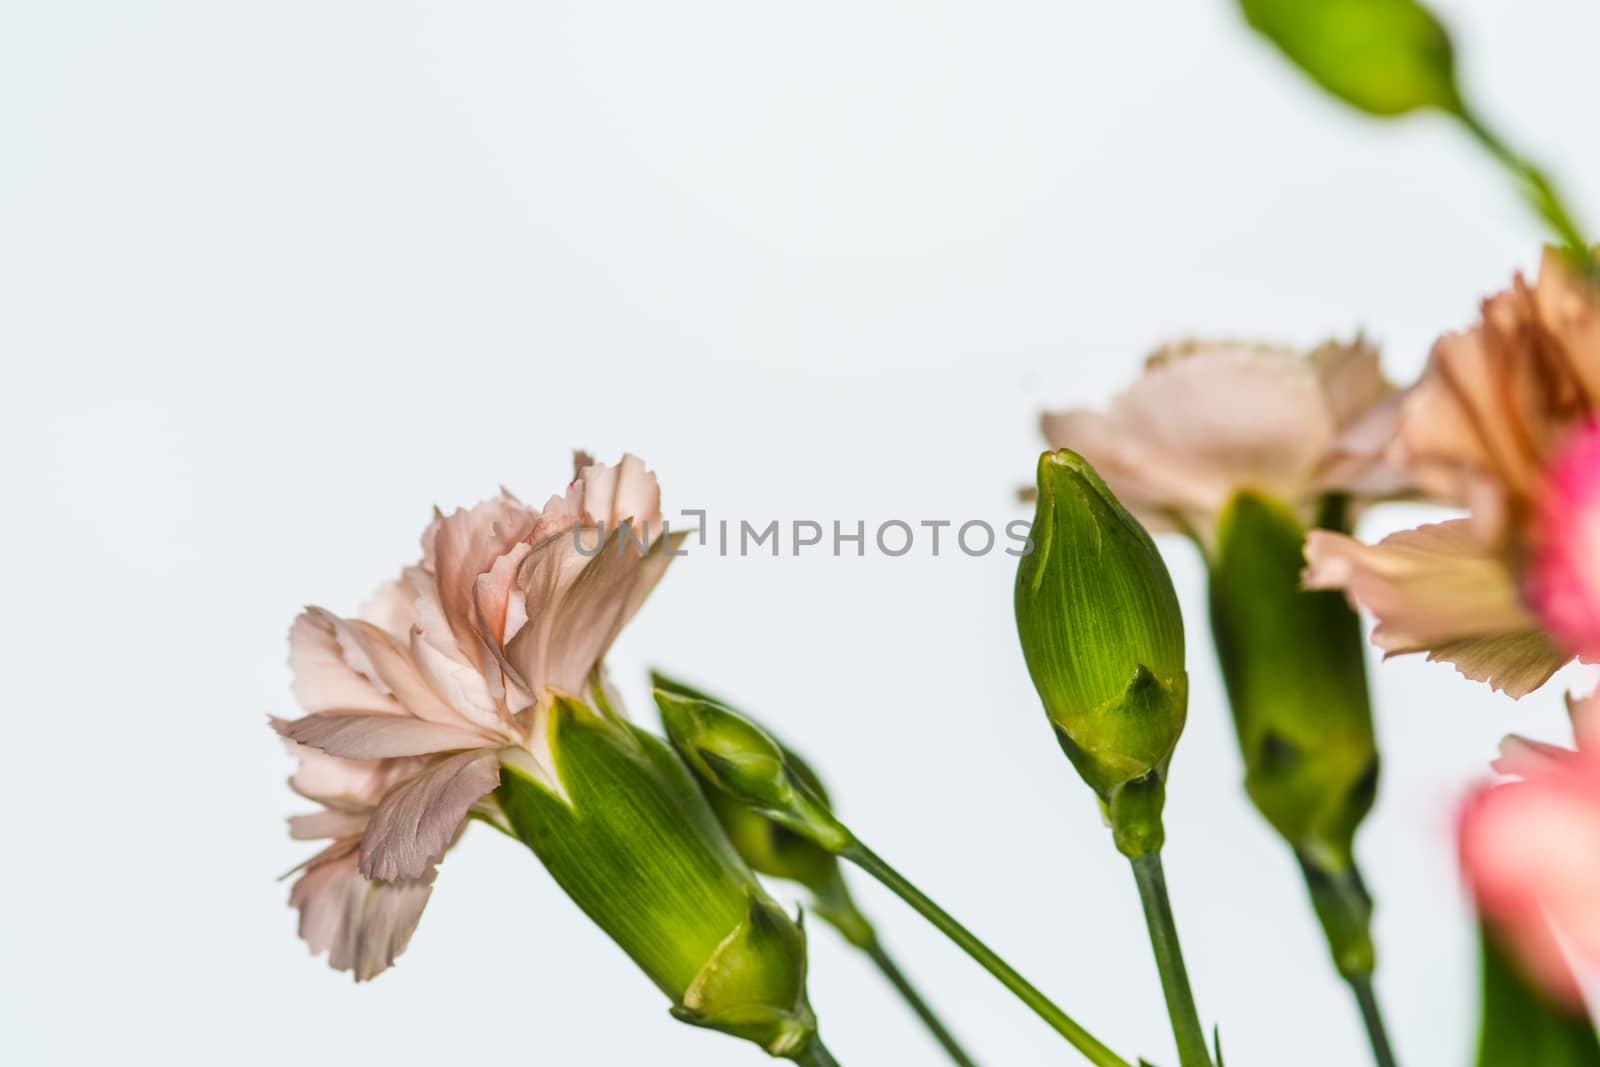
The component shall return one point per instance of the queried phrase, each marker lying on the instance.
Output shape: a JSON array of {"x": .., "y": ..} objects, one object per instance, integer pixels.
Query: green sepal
[
  {"x": 1384, "y": 57},
  {"x": 1344, "y": 909},
  {"x": 1522, "y": 1025},
  {"x": 1100, "y": 629},
  {"x": 625, "y": 830},
  {"x": 775, "y": 850},
  {"x": 732, "y": 754},
  {"x": 1134, "y": 813},
  {"x": 741, "y": 992},
  {"x": 1295, "y": 668}
]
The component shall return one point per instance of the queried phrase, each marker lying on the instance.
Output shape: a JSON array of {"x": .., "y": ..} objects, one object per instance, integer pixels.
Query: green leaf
[
  {"x": 1385, "y": 57},
  {"x": 1522, "y": 1027}
]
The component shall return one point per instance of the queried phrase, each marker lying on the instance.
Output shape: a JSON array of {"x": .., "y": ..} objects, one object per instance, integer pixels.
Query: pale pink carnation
[{"x": 447, "y": 673}]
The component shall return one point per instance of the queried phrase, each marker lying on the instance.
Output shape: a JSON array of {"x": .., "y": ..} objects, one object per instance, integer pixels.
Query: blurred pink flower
[
  {"x": 1207, "y": 419},
  {"x": 1563, "y": 580},
  {"x": 1530, "y": 851},
  {"x": 413, "y": 706},
  {"x": 1483, "y": 429}
]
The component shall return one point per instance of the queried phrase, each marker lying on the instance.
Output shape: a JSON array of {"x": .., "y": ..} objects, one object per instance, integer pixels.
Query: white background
[{"x": 276, "y": 278}]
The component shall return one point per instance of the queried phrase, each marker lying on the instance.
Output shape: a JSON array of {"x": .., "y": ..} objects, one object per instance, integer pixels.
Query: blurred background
[{"x": 277, "y": 278}]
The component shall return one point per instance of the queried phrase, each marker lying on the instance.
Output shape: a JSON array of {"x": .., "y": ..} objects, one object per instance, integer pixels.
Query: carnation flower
[
  {"x": 1530, "y": 850},
  {"x": 1485, "y": 429},
  {"x": 1207, "y": 420},
  {"x": 448, "y": 673}
]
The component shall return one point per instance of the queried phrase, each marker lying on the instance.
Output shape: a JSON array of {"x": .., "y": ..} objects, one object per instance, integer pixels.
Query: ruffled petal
[
  {"x": 397, "y": 674},
  {"x": 1175, "y": 448},
  {"x": 1436, "y": 589},
  {"x": 362, "y": 925},
  {"x": 392, "y": 608},
  {"x": 345, "y": 784},
  {"x": 1189, "y": 402},
  {"x": 466, "y": 544},
  {"x": 577, "y": 604},
  {"x": 610, "y": 496},
  {"x": 1570, "y": 313},
  {"x": 323, "y": 676},
  {"x": 365, "y": 736},
  {"x": 327, "y": 824},
  {"x": 1150, "y": 481},
  {"x": 418, "y": 819}
]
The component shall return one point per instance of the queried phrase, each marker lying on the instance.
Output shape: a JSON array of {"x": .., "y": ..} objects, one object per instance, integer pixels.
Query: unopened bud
[
  {"x": 773, "y": 849},
  {"x": 1295, "y": 670},
  {"x": 732, "y": 754},
  {"x": 1103, "y": 639},
  {"x": 625, "y": 830}
]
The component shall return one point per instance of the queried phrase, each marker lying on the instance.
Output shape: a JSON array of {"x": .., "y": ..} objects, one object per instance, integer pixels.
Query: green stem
[
  {"x": 1186, "y": 1028},
  {"x": 1345, "y": 909},
  {"x": 815, "y": 1054},
  {"x": 924, "y": 1010},
  {"x": 1382, "y": 1053},
  {"x": 1059, "y": 1021},
  {"x": 1537, "y": 188}
]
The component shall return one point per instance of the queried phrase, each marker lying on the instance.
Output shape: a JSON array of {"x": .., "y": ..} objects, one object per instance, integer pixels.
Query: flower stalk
[
  {"x": 1103, "y": 638},
  {"x": 776, "y": 851},
  {"x": 1186, "y": 1027},
  {"x": 1041, "y": 1005},
  {"x": 735, "y": 756}
]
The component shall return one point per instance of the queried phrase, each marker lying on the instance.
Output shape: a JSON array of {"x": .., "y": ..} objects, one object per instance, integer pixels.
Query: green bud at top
[
  {"x": 773, "y": 849},
  {"x": 1295, "y": 668},
  {"x": 629, "y": 837},
  {"x": 1385, "y": 57},
  {"x": 1103, "y": 639},
  {"x": 733, "y": 755}
]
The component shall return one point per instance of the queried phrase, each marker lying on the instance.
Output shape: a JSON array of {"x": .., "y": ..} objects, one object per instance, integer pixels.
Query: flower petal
[
  {"x": 392, "y": 608},
  {"x": 418, "y": 819},
  {"x": 323, "y": 676},
  {"x": 397, "y": 673},
  {"x": 362, "y": 925},
  {"x": 1436, "y": 589},
  {"x": 344, "y": 784},
  {"x": 327, "y": 823},
  {"x": 1531, "y": 853},
  {"x": 365, "y": 736},
  {"x": 466, "y": 543},
  {"x": 576, "y": 604}
]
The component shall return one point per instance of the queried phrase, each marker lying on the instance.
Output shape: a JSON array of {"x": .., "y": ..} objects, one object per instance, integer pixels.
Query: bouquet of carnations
[{"x": 472, "y": 688}]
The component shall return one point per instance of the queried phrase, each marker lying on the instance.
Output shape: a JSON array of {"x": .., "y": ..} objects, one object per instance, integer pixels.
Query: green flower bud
[
  {"x": 1103, "y": 639},
  {"x": 1296, "y": 675},
  {"x": 773, "y": 849},
  {"x": 1385, "y": 57},
  {"x": 736, "y": 757},
  {"x": 629, "y": 837}
]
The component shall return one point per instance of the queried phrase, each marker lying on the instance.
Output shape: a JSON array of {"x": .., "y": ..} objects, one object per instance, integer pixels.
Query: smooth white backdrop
[{"x": 275, "y": 279}]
